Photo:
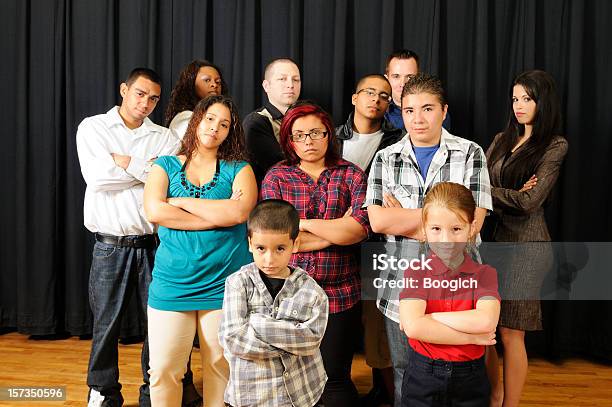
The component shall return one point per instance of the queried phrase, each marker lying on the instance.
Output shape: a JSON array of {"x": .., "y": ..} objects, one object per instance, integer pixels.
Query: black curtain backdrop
[{"x": 63, "y": 60}]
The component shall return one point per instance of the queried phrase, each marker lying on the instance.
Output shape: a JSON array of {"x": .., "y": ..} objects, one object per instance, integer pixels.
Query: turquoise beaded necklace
[{"x": 195, "y": 191}]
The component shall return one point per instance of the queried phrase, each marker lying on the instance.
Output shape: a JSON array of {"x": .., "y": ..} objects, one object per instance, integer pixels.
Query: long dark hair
[
  {"x": 183, "y": 96},
  {"x": 232, "y": 148},
  {"x": 540, "y": 86},
  {"x": 303, "y": 109}
]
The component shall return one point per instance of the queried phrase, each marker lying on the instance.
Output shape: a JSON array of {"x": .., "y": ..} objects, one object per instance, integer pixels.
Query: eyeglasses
[
  {"x": 384, "y": 96},
  {"x": 314, "y": 134}
]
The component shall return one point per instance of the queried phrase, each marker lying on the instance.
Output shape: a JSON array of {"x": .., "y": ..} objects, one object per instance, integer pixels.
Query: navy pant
[
  {"x": 438, "y": 383},
  {"x": 115, "y": 273}
]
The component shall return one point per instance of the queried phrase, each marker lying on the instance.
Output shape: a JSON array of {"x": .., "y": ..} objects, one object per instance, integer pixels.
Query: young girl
[
  {"x": 200, "y": 199},
  {"x": 450, "y": 324}
]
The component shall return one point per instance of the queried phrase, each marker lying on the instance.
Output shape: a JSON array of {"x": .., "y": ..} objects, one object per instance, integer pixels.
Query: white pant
[{"x": 171, "y": 335}]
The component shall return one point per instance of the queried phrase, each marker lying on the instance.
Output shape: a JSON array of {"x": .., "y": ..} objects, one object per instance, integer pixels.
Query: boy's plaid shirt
[
  {"x": 395, "y": 170},
  {"x": 339, "y": 187},
  {"x": 272, "y": 345}
]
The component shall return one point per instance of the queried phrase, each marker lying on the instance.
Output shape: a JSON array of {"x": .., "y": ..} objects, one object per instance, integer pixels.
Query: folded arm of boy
[
  {"x": 288, "y": 332},
  {"x": 423, "y": 327},
  {"x": 236, "y": 333}
]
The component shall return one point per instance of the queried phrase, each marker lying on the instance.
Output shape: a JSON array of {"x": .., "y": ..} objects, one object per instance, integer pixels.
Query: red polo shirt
[{"x": 447, "y": 290}]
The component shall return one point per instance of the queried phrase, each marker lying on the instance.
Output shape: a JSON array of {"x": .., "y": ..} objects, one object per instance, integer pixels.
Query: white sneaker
[{"x": 95, "y": 399}]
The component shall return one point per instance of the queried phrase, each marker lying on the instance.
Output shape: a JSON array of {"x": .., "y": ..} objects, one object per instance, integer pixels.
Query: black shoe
[
  {"x": 195, "y": 403},
  {"x": 191, "y": 397},
  {"x": 374, "y": 398}
]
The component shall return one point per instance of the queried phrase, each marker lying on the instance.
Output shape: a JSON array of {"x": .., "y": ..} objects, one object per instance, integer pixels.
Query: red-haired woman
[{"x": 328, "y": 193}]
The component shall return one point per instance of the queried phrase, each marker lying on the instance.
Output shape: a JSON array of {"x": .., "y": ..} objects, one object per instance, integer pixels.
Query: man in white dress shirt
[{"x": 116, "y": 150}]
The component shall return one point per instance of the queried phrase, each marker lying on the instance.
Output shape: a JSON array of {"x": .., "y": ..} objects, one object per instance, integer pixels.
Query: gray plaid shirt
[
  {"x": 272, "y": 345},
  {"x": 395, "y": 170}
]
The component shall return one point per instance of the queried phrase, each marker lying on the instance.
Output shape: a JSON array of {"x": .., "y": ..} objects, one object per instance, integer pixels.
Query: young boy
[{"x": 274, "y": 318}]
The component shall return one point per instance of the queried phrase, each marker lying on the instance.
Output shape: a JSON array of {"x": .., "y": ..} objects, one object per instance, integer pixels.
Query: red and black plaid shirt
[{"x": 339, "y": 187}]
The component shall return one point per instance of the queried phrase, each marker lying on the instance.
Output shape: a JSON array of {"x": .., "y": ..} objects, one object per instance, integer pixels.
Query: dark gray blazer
[{"x": 520, "y": 215}]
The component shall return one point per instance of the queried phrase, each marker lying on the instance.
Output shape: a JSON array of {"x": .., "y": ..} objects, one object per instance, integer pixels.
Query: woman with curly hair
[
  {"x": 196, "y": 81},
  {"x": 200, "y": 199}
]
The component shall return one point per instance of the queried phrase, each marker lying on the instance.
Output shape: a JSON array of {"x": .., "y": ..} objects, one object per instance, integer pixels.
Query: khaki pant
[{"x": 171, "y": 337}]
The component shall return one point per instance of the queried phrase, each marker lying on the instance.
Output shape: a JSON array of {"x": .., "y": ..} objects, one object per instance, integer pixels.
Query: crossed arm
[
  {"x": 106, "y": 170},
  {"x": 236, "y": 334},
  {"x": 318, "y": 234},
  {"x": 342, "y": 231},
  {"x": 536, "y": 190},
  {"x": 391, "y": 219},
  {"x": 196, "y": 213},
  {"x": 300, "y": 338},
  {"x": 259, "y": 336},
  {"x": 475, "y": 326}
]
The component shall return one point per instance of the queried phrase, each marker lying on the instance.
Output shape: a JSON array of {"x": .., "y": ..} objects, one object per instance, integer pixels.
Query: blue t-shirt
[
  {"x": 191, "y": 265},
  {"x": 424, "y": 155}
]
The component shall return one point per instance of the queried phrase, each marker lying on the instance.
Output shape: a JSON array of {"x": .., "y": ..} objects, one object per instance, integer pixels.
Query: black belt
[{"x": 138, "y": 242}]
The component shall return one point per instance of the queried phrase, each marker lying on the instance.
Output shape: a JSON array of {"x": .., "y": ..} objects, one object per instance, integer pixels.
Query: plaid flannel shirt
[
  {"x": 395, "y": 170},
  {"x": 272, "y": 345},
  {"x": 339, "y": 187}
]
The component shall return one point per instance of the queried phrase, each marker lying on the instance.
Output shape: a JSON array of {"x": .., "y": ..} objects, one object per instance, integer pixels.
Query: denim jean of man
[{"x": 115, "y": 272}]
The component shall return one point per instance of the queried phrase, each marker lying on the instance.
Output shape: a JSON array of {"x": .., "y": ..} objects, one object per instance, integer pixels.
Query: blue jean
[
  {"x": 115, "y": 273},
  {"x": 400, "y": 356},
  {"x": 441, "y": 383}
]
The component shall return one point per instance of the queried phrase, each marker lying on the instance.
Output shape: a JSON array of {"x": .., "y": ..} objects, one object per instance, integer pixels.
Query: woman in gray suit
[{"x": 524, "y": 162}]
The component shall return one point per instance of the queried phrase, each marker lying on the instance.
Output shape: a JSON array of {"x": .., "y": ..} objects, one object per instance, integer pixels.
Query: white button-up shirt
[{"x": 114, "y": 196}]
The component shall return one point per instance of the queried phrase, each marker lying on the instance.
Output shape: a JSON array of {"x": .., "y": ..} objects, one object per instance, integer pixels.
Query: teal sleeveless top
[{"x": 191, "y": 266}]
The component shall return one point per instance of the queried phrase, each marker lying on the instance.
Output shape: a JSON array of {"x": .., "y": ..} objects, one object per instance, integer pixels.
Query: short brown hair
[
  {"x": 425, "y": 83},
  {"x": 401, "y": 54},
  {"x": 274, "y": 215},
  {"x": 145, "y": 73},
  {"x": 368, "y": 76},
  {"x": 268, "y": 68}
]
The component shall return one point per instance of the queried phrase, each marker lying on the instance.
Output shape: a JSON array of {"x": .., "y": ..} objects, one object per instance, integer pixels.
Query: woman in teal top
[{"x": 200, "y": 199}]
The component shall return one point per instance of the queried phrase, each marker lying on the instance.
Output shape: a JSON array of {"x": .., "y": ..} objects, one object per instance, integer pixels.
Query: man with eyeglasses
[
  {"x": 365, "y": 132},
  {"x": 282, "y": 84},
  {"x": 400, "y": 66}
]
